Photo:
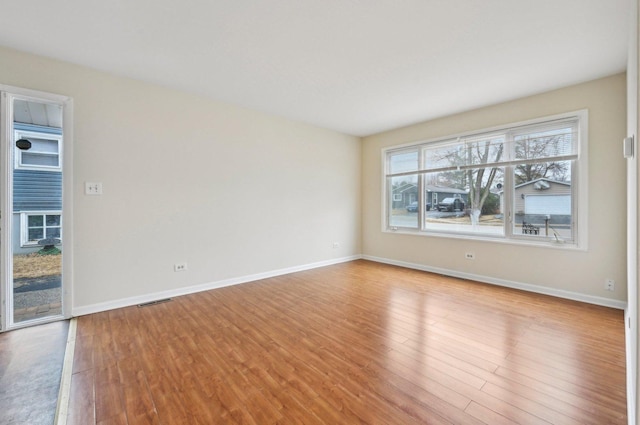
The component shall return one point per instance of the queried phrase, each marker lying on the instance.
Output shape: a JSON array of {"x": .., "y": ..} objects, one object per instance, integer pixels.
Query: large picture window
[{"x": 519, "y": 182}]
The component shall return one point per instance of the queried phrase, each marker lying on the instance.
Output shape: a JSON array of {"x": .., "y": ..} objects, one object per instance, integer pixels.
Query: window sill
[
  {"x": 52, "y": 169},
  {"x": 549, "y": 243}
]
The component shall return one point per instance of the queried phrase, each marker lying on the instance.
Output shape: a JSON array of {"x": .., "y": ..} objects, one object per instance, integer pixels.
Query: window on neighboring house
[
  {"x": 518, "y": 183},
  {"x": 39, "y": 225},
  {"x": 44, "y": 153}
]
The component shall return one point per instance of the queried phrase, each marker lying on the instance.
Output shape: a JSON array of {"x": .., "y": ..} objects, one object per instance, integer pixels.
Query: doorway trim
[{"x": 6, "y": 166}]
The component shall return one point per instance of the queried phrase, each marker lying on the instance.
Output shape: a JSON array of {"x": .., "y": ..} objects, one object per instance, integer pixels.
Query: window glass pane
[
  {"x": 53, "y": 232},
  {"x": 53, "y": 220},
  {"x": 444, "y": 156},
  {"x": 465, "y": 201},
  {"x": 403, "y": 194},
  {"x": 465, "y": 152},
  {"x": 43, "y": 145},
  {"x": 35, "y": 234},
  {"x": 545, "y": 144},
  {"x": 557, "y": 170},
  {"x": 35, "y": 221},
  {"x": 32, "y": 158},
  {"x": 543, "y": 205},
  {"x": 401, "y": 162},
  {"x": 485, "y": 150}
]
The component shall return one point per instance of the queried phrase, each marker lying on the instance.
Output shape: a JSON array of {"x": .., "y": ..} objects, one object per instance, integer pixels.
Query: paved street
[
  {"x": 37, "y": 297},
  {"x": 407, "y": 219}
]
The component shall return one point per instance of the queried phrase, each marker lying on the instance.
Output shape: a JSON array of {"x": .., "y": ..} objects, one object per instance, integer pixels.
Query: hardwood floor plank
[
  {"x": 83, "y": 353},
  {"x": 108, "y": 402},
  {"x": 357, "y": 342},
  {"x": 563, "y": 407},
  {"x": 488, "y": 416},
  {"x": 119, "y": 419},
  {"x": 595, "y": 404},
  {"x": 529, "y": 405},
  {"x": 82, "y": 407},
  {"x": 585, "y": 386},
  {"x": 433, "y": 359}
]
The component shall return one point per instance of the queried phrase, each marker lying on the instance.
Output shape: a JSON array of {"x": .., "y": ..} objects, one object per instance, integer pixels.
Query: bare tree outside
[
  {"x": 541, "y": 146},
  {"x": 468, "y": 174},
  {"x": 481, "y": 179},
  {"x": 468, "y": 158}
]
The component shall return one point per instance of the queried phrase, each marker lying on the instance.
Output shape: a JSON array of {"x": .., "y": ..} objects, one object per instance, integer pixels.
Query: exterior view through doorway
[{"x": 33, "y": 232}]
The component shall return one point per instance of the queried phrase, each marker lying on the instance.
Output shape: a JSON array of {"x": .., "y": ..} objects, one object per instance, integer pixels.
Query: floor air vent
[{"x": 150, "y": 303}]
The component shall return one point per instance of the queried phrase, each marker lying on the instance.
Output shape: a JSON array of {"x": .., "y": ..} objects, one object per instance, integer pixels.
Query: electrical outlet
[
  {"x": 610, "y": 284},
  {"x": 180, "y": 267},
  {"x": 336, "y": 245},
  {"x": 91, "y": 188},
  {"x": 470, "y": 256}
]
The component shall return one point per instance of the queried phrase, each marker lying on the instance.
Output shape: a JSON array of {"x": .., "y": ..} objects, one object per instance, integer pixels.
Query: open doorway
[{"x": 33, "y": 214}]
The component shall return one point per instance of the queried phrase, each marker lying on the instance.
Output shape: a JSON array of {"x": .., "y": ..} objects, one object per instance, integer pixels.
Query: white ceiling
[{"x": 356, "y": 66}]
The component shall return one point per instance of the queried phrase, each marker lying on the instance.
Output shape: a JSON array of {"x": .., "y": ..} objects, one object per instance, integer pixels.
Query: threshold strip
[{"x": 62, "y": 408}]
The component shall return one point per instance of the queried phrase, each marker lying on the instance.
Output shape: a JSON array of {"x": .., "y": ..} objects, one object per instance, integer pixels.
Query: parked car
[
  {"x": 413, "y": 207},
  {"x": 451, "y": 204}
]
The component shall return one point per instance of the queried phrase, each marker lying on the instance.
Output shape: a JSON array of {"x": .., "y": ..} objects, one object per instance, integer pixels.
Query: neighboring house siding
[
  {"x": 34, "y": 191},
  {"x": 442, "y": 195},
  {"x": 37, "y": 190},
  {"x": 436, "y": 194},
  {"x": 407, "y": 193}
]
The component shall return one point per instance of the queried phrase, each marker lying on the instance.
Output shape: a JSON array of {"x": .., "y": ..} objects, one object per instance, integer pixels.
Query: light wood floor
[{"x": 358, "y": 342}]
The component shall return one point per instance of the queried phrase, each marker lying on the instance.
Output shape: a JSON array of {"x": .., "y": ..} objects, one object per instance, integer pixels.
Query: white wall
[
  {"x": 236, "y": 193},
  {"x": 631, "y": 319},
  {"x": 552, "y": 270},
  {"x": 230, "y": 191}
]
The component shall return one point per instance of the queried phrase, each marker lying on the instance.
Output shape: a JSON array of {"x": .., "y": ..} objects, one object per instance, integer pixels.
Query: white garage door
[{"x": 547, "y": 204}]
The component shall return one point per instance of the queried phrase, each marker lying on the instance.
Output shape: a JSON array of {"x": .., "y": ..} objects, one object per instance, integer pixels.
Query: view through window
[{"x": 516, "y": 182}]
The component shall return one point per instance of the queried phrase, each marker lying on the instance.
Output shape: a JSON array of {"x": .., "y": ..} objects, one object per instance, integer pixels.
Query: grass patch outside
[{"x": 36, "y": 265}]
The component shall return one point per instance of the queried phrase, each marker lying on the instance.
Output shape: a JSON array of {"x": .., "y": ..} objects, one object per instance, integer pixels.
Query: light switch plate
[{"x": 92, "y": 188}]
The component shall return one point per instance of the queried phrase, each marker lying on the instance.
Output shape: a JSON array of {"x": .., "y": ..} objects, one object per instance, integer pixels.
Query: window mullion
[
  {"x": 421, "y": 191},
  {"x": 508, "y": 186}
]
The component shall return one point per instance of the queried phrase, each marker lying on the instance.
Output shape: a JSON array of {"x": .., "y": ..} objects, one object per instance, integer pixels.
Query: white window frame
[
  {"x": 24, "y": 226},
  {"x": 24, "y": 134},
  {"x": 7, "y": 159},
  {"x": 579, "y": 188}
]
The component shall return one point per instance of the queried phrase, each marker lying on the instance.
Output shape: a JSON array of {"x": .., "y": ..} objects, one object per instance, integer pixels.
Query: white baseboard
[
  {"x": 560, "y": 293},
  {"x": 126, "y": 302}
]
